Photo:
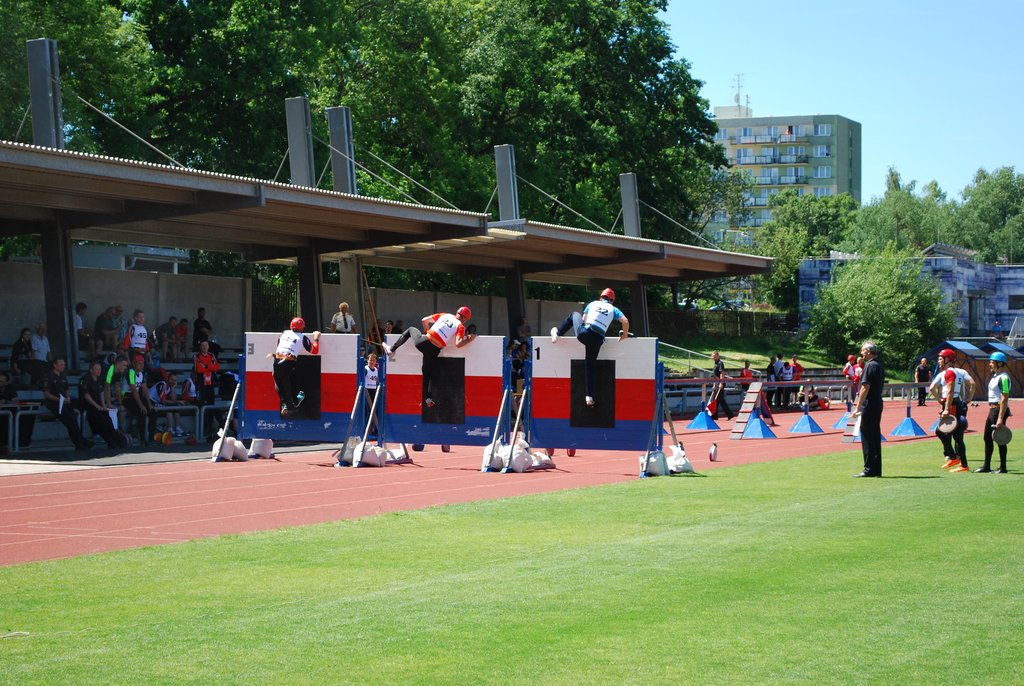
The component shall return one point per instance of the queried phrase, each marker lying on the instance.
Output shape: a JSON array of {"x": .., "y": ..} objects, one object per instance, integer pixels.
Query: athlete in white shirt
[{"x": 591, "y": 328}]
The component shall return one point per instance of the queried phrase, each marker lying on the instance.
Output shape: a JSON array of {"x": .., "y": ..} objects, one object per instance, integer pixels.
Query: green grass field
[{"x": 785, "y": 572}]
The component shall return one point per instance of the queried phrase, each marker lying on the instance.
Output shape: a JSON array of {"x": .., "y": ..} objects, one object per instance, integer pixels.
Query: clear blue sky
[{"x": 937, "y": 86}]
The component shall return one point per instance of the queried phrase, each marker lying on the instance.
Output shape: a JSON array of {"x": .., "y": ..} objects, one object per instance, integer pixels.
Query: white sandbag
[
  {"x": 541, "y": 460},
  {"x": 240, "y": 453},
  {"x": 223, "y": 449},
  {"x": 374, "y": 456},
  {"x": 677, "y": 461},
  {"x": 521, "y": 444},
  {"x": 494, "y": 455},
  {"x": 396, "y": 453},
  {"x": 261, "y": 447},
  {"x": 656, "y": 464},
  {"x": 520, "y": 461}
]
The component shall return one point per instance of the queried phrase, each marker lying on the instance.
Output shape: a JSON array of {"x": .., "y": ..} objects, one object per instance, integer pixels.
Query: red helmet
[
  {"x": 608, "y": 293},
  {"x": 465, "y": 313},
  {"x": 851, "y": 358},
  {"x": 298, "y": 324},
  {"x": 946, "y": 352}
]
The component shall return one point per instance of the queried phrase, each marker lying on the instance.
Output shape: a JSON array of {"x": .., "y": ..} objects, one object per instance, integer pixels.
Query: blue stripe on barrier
[
  {"x": 556, "y": 433},
  {"x": 409, "y": 428},
  {"x": 268, "y": 424}
]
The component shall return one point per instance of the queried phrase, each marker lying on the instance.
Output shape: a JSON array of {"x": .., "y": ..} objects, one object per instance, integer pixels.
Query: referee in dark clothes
[{"x": 869, "y": 409}]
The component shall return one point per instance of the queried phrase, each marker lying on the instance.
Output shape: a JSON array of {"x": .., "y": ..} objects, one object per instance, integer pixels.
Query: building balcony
[
  {"x": 792, "y": 179},
  {"x": 793, "y": 159},
  {"x": 745, "y": 160},
  {"x": 754, "y": 221},
  {"x": 756, "y": 202},
  {"x": 766, "y": 180},
  {"x": 766, "y": 159}
]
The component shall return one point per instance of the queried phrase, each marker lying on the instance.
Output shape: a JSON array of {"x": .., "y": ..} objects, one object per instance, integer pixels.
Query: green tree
[
  {"x": 886, "y": 299},
  {"x": 991, "y": 218},
  {"x": 902, "y": 217},
  {"x": 103, "y": 59},
  {"x": 801, "y": 226}
]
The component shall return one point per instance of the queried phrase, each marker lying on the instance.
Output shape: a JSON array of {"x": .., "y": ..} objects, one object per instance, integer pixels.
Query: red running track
[{"x": 55, "y": 515}]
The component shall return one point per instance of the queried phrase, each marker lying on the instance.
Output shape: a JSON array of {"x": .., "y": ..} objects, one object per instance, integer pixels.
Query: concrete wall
[
  {"x": 227, "y": 299},
  {"x": 489, "y": 312}
]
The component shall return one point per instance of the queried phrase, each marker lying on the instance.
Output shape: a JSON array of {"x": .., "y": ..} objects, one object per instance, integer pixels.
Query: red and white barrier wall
[
  {"x": 328, "y": 381},
  {"x": 625, "y": 394},
  {"x": 468, "y": 388}
]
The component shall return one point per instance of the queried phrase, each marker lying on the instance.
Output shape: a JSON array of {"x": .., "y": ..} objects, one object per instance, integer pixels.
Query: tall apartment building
[{"x": 818, "y": 154}]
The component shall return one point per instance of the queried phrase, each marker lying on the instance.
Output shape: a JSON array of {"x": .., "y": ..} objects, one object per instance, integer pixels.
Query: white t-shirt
[
  {"x": 371, "y": 376},
  {"x": 290, "y": 343},
  {"x": 40, "y": 347},
  {"x": 343, "y": 323}
]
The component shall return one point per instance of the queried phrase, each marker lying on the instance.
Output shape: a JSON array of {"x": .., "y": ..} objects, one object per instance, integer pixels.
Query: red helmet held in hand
[
  {"x": 298, "y": 324},
  {"x": 465, "y": 313},
  {"x": 608, "y": 293}
]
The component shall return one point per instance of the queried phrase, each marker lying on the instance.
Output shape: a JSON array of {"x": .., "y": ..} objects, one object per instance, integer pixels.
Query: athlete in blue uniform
[{"x": 591, "y": 327}]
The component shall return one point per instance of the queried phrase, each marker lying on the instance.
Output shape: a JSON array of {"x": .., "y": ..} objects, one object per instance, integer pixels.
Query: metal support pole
[
  {"x": 508, "y": 191},
  {"x": 300, "y": 141},
  {"x": 44, "y": 85},
  {"x": 343, "y": 167}
]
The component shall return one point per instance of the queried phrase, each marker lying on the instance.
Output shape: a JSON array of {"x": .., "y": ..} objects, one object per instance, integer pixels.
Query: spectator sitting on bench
[
  {"x": 113, "y": 387},
  {"x": 171, "y": 347},
  {"x": 86, "y": 343},
  {"x": 137, "y": 403},
  {"x": 105, "y": 330},
  {"x": 165, "y": 394},
  {"x": 22, "y": 364},
  {"x": 8, "y": 400},
  {"x": 57, "y": 398},
  {"x": 93, "y": 401}
]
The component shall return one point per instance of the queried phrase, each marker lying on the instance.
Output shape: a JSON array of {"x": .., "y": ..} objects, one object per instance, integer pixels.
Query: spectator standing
[
  {"x": 523, "y": 331},
  {"x": 779, "y": 392},
  {"x": 136, "y": 339},
  {"x": 999, "y": 386},
  {"x": 869, "y": 408},
  {"x": 719, "y": 373},
  {"x": 371, "y": 379},
  {"x": 342, "y": 321},
  {"x": 798, "y": 370},
  {"x": 747, "y": 375},
  {"x": 200, "y": 328},
  {"x": 57, "y": 399},
  {"x": 113, "y": 387},
  {"x": 769, "y": 377},
  {"x": 205, "y": 367},
  {"x": 786, "y": 374},
  {"x": 92, "y": 401},
  {"x": 922, "y": 375},
  {"x": 956, "y": 387},
  {"x": 848, "y": 373}
]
